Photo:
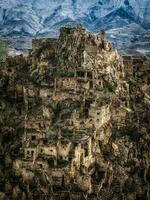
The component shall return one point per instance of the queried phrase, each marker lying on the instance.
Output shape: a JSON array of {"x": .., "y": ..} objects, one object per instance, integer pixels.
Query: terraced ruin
[{"x": 74, "y": 120}]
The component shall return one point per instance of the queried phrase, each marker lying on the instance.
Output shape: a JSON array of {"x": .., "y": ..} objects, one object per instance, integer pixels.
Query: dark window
[
  {"x": 61, "y": 157},
  {"x": 70, "y": 159},
  {"x": 89, "y": 75},
  {"x": 51, "y": 163},
  {"x": 41, "y": 165},
  {"x": 33, "y": 138},
  {"x": 75, "y": 144},
  {"x": 80, "y": 74},
  {"x": 28, "y": 152},
  {"x": 91, "y": 84},
  {"x": 9, "y": 70},
  {"x": 140, "y": 197},
  {"x": 63, "y": 180},
  {"x": 86, "y": 150},
  {"x": 32, "y": 153},
  {"x": 45, "y": 141},
  {"x": 82, "y": 122}
]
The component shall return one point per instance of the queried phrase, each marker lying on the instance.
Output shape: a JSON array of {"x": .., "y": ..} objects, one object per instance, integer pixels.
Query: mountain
[{"x": 43, "y": 18}]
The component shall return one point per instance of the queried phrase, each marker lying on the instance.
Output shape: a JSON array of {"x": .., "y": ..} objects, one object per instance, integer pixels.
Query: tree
[{"x": 3, "y": 50}]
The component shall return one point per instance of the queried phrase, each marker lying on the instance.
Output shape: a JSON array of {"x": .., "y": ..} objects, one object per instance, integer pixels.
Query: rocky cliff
[{"x": 74, "y": 119}]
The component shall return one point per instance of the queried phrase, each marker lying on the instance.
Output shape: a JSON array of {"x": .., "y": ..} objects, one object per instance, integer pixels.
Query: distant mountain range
[{"x": 125, "y": 21}]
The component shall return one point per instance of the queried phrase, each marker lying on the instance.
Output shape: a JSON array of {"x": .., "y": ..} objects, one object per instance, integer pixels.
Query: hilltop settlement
[{"x": 74, "y": 121}]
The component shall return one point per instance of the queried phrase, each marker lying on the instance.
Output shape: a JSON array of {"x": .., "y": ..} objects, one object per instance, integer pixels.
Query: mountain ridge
[
  {"x": 123, "y": 20},
  {"x": 32, "y": 17}
]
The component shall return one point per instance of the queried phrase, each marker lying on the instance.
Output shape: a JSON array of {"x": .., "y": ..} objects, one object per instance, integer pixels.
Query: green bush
[{"x": 3, "y": 50}]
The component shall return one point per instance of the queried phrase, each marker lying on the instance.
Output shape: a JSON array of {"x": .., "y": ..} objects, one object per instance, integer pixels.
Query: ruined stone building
[{"x": 74, "y": 121}]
